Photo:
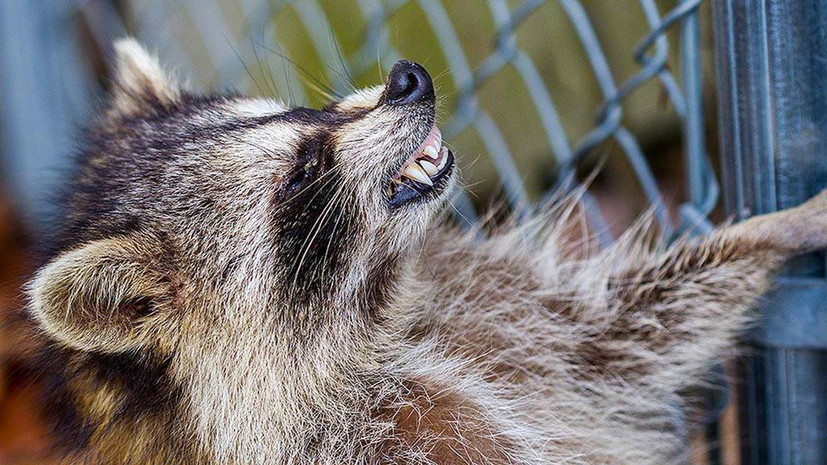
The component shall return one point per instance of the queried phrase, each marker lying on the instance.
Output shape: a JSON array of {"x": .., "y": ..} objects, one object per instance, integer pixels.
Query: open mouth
[{"x": 424, "y": 173}]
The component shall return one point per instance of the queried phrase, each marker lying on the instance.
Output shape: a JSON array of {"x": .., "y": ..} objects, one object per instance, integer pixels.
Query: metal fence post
[{"x": 772, "y": 97}]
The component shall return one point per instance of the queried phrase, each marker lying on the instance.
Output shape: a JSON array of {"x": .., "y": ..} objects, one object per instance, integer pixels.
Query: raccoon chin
[{"x": 424, "y": 175}]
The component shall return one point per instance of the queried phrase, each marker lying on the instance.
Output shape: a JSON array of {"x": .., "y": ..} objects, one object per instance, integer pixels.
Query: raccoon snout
[{"x": 408, "y": 83}]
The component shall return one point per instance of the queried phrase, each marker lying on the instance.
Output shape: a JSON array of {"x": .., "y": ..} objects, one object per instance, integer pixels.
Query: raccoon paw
[
  {"x": 796, "y": 230},
  {"x": 809, "y": 220}
]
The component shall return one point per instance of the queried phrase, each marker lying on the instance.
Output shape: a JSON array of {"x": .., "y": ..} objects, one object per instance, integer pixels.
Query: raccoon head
[{"x": 188, "y": 211}]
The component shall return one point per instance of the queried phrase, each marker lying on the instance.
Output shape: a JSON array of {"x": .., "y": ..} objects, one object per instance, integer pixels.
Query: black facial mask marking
[{"x": 313, "y": 223}]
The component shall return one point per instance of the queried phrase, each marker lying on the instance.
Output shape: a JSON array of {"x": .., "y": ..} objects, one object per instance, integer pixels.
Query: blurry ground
[{"x": 22, "y": 436}]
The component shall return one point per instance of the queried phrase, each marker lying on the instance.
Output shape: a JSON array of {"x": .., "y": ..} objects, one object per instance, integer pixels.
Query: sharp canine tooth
[
  {"x": 431, "y": 151},
  {"x": 444, "y": 159},
  {"x": 415, "y": 172},
  {"x": 428, "y": 167}
]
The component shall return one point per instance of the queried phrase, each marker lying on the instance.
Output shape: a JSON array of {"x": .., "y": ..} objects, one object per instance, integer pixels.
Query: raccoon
[{"x": 237, "y": 282}]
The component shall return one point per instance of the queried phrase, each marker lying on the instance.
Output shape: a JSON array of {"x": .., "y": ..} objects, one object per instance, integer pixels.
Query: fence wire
[{"x": 156, "y": 23}]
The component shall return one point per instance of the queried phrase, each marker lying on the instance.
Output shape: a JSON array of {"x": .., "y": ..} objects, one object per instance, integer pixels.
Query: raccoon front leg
[{"x": 675, "y": 312}]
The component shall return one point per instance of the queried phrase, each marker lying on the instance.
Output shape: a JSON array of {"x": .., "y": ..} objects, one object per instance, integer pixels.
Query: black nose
[{"x": 408, "y": 83}]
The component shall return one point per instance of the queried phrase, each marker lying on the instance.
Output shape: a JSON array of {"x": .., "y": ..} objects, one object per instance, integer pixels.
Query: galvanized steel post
[{"x": 771, "y": 64}]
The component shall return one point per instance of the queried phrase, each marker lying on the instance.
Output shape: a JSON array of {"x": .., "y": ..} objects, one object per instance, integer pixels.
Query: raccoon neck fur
[{"x": 251, "y": 407}]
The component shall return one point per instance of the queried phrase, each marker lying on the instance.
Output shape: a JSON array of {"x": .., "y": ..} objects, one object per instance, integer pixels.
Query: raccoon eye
[
  {"x": 299, "y": 177},
  {"x": 296, "y": 179}
]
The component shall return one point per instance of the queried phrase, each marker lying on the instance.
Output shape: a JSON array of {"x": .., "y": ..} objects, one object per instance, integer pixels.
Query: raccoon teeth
[
  {"x": 415, "y": 172},
  {"x": 431, "y": 151},
  {"x": 444, "y": 153},
  {"x": 429, "y": 167}
]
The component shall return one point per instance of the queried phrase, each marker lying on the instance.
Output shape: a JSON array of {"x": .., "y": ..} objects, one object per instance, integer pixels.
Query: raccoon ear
[
  {"x": 140, "y": 81},
  {"x": 108, "y": 295}
]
